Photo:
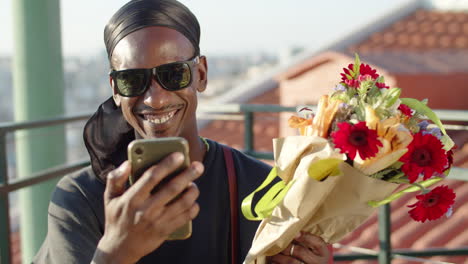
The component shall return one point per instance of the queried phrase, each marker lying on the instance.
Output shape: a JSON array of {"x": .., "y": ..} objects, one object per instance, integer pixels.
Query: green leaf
[
  {"x": 364, "y": 87},
  {"x": 384, "y": 102},
  {"x": 381, "y": 174},
  {"x": 360, "y": 111},
  {"x": 357, "y": 64},
  {"x": 422, "y": 108},
  {"x": 397, "y": 195},
  {"x": 374, "y": 93},
  {"x": 399, "y": 180},
  {"x": 397, "y": 164},
  {"x": 392, "y": 95},
  {"x": 341, "y": 96}
]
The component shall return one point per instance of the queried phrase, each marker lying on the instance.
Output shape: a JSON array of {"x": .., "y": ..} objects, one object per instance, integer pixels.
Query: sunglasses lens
[
  {"x": 131, "y": 82},
  {"x": 174, "y": 76}
]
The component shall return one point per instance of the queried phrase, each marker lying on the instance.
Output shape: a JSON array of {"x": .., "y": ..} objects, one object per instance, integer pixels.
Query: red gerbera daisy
[
  {"x": 405, "y": 110},
  {"x": 356, "y": 138},
  {"x": 365, "y": 69},
  {"x": 353, "y": 83},
  {"x": 382, "y": 85},
  {"x": 363, "y": 78},
  {"x": 450, "y": 157},
  {"x": 425, "y": 156},
  {"x": 432, "y": 205},
  {"x": 347, "y": 71}
]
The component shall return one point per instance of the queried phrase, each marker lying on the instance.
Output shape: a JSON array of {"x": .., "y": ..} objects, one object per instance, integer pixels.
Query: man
[{"x": 95, "y": 216}]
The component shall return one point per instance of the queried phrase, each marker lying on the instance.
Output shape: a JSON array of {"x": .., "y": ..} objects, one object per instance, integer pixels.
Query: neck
[{"x": 197, "y": 148}]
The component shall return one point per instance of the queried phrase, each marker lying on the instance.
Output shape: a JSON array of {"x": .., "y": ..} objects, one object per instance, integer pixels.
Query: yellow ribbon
[
  {"x": 321, "y": 169},
  {"x": 263, "y": 209},
  {"x": 269, "y": 201}
]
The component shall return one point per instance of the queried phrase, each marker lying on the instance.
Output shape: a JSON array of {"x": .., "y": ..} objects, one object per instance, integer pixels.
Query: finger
[
  {"x": 280, "y": 258},
  {"x": 186, "y": 215},
  {"x": 154, "y": 175},
  {"x": 315, "y": 243},
  {"x": 270, "y": 261},
  {"x": 305, "y": 254},
  {"x": 185, "y": 202},
  {"x": 115, "y": 182},
  {"x": 287, "y": 250},
  {"x": 177, "y": 185},
  {"x": 299, "y": 252},
  {"x": 177, "y": 222}
]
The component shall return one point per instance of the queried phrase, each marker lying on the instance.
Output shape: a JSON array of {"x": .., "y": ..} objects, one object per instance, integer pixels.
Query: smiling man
[{"x": 94, "y": 216}]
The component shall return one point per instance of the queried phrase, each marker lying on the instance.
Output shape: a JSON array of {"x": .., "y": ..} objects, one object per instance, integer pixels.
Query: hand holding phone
[
  {"x": 144, "y": 153},
  {"x": 138, "y": 222}
]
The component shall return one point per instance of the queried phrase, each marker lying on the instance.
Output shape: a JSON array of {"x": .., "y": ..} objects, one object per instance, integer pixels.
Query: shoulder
[
  {"x": 82, "y": 182},
  {"x": 75, "y": 221},
  {"x": 77, "y": 191}
]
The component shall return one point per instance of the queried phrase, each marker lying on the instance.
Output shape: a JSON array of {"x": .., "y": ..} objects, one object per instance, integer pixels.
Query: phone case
[{"x": 144, "y": 153}]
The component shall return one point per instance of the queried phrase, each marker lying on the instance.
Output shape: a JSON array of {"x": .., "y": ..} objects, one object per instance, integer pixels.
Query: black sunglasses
[{"x": 172, "y": 77}]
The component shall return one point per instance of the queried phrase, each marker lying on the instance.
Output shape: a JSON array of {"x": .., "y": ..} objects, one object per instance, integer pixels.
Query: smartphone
[{"x": 144, "y": 153}]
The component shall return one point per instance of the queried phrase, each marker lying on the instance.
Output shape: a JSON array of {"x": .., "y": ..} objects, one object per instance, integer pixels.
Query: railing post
[
  {"x": 385, "y": 253},
  {"x": 248, "y": 132},
  {"x": 38, "y": 94},
  {"x": 5, "y": 246}
]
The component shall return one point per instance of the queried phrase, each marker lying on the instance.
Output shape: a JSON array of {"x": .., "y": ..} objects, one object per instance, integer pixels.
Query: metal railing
[
  {"x": 227, "y": 112},
  {"x": 6, "y": 187}
]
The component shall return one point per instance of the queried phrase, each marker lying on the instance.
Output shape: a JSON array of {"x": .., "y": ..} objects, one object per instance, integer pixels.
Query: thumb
[{"x": 116, "y": 180}]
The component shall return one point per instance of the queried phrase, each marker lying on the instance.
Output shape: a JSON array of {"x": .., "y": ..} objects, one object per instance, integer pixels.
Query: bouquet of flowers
[{"x": 363, "y": 143}]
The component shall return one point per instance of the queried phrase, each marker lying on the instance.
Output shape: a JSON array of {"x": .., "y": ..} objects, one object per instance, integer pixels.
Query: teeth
[{"x": 159, "y": 119}]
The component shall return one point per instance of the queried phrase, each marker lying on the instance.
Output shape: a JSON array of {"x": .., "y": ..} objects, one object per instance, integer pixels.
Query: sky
[{"x": 228, "y": 27}]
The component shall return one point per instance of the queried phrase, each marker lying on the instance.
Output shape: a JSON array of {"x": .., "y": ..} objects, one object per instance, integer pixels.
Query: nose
[{"x": 156, "y": 97}]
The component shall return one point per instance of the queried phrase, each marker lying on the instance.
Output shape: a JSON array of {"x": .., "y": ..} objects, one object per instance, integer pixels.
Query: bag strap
[{"x": 231, "y": 171}]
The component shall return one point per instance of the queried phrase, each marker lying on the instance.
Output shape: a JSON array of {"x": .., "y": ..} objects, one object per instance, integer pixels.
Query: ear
[
  {"x": 202, "y": 74},
  {"x": 115, "y": 95}
]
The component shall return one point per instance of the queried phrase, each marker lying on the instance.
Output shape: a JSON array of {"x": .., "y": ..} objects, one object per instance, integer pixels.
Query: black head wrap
[
  {"x": 138, "y": 14},
  {"x": 106, "y": 137},
  {"x": 107, "y": 133}
]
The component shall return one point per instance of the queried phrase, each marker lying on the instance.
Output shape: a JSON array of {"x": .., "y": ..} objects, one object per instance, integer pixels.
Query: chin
[{"x": 161, "y": 133}]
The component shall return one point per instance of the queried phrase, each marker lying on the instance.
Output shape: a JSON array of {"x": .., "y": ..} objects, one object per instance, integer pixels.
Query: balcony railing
[{"x": 226, "y": 112}]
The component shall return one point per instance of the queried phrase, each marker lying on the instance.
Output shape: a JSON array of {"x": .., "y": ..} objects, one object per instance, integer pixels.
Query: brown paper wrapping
[{"x": 330, "y": 208}]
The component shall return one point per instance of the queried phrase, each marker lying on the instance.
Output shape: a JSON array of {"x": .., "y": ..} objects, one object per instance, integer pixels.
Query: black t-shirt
[{"x": 76, "y": 216}]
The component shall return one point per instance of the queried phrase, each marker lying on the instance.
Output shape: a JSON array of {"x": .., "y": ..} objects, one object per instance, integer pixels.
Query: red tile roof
[
  {"x": 425, "y": 41},
  {"x": 423, "y": 30}
]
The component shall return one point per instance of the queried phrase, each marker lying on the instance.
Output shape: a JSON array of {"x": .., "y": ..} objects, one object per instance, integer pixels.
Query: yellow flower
[
  {"x": 320, "y": 124},
  {"x": 301, "y": 123}
]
